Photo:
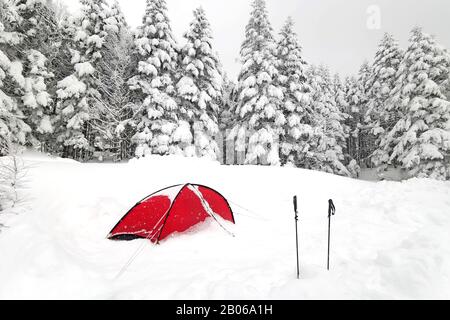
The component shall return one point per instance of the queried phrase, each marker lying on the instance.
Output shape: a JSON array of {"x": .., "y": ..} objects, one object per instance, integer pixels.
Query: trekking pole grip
[
  {"x": 331, "y": 208},
  {"x": 295, "y": 207}
]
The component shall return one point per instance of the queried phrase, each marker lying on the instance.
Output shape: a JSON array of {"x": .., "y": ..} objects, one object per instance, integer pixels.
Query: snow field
[{"x": 389, "y": 239}]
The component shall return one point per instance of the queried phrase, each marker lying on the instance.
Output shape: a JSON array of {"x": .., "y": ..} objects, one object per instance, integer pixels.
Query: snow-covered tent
[{"x": 170, "y": 210}]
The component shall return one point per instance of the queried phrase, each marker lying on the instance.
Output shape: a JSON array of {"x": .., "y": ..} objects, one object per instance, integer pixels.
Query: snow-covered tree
[
  {"x": 360, "y": 144},
  {"x": 352, "y": 120},
  {"x": 60, "y": 10},
  {"x": 40, "y": 29},
  {"x": 259, "y": 93},
  {"x": 60, "y": 61},
  {"x": 379, "y": 118},
  {"x": 328, "y": 151},
  {"x": 12, "y": 82},
  {"x": 200, "y": 87},
  {"x": 33, "y": 25},
  {"x": 12, "y": 178},
  {"x": 59, "y": 56},
  {"x": 339, "y": 89},
  {"x": 298, "y": 131},
  {"x": 116, "y": 19},
  {"x": 226, "y": 113},
  {"x": 159, "y": 130},
  {"x": 114, "y": 123},
  {"x": 447, "y": 89},
  {"x": 226, "y": 119},
  {"x": 343, "y": 95},
  {"x": 421, "y": 138},
  {"x": 78, "y": 93}
]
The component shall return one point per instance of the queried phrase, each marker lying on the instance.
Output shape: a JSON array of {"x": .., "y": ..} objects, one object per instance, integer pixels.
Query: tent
[{"x": 173, "y": 209}]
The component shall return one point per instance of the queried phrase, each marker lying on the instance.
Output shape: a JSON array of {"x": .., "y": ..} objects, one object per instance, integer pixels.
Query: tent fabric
[{"x": 170, "y": 210}]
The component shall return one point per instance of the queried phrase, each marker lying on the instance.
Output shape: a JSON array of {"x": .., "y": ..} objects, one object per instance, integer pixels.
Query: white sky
[{"x": 332, "y": 32}]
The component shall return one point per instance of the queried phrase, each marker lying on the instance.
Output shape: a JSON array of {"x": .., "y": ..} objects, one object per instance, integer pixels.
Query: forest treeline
[{"x": 89, "y": 87}]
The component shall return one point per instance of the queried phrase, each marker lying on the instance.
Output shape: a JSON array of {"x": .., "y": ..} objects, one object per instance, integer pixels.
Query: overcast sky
[{"x": 338, "y": 33}]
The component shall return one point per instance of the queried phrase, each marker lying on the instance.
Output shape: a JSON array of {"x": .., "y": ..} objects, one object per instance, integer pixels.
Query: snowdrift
[{"x": 389, "y": 239}]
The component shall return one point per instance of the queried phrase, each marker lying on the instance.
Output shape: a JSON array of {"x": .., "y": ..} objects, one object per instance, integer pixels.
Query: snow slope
[{"x": 389, "y": 239}]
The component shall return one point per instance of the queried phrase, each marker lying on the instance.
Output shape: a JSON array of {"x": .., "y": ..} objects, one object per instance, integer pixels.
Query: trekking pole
[
  {"x": 331, "y": 212},
  {"x": 296, "y": 235}
]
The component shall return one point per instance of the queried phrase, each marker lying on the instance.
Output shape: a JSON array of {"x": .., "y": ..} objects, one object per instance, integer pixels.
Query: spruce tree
[
  {"x": 33, "y": 23},
  {"x": 59, "y": 55},
  {"x": 227, "y": 120},
  {"x": 116, "y": 22},
  {"x": 343, "y": 91},
  {"x": 380, "y": 119},
  {"x": 356, "y": 95},
  {"x": 335, "y": 131},
  {"x": 328, "y": 154},
  {"x": 201, "y": 85},
  {"x": 159, "y": 129},
  {"x": 259, "y": 93},
  {"x": 447, "y": 89},
  {"x": 12, "y": 81},
  {"x": 298, "y": 131},
  {"x": 78, "y": 93},
  {"x": 40, "y": 29},
  {"x": 61, "y": 60},
  {"x": 350, "y": 109},
  {"x": 361, "y": 130},
  {"x": 421, "y": 138}
]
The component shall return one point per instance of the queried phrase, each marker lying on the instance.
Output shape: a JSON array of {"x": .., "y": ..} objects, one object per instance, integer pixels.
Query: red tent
[{"x": 173, "y": 209}]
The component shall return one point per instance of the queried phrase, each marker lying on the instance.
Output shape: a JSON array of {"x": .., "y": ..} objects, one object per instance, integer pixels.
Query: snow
[
  {"x": 15, "y": 70},
  {"x": 97, "y": 40},
  {"x": 186, "y": 87},
  {"x": 45, "y": 125},
  {"x": 148, "y": 69},
  {"x": 182, "y": 133},
  {"x": 84, "y": 68},
  {"x": 389, "y": 239},
  {"x": 69, "y": 87},
  {"x": 4, "y": 61}
]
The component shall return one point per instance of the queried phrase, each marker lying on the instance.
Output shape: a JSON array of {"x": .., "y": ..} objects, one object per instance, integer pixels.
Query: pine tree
[
  {"x": 381, "y": 83},
  {"x": 259, "y": 93},
  {"x": 200, "y": 87},
  {"x": 298, "y": 131},
  {"x": 78, "y": 93},
  {"x": 159, "y": 131},
  {"x": 421, "y": 138}
]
